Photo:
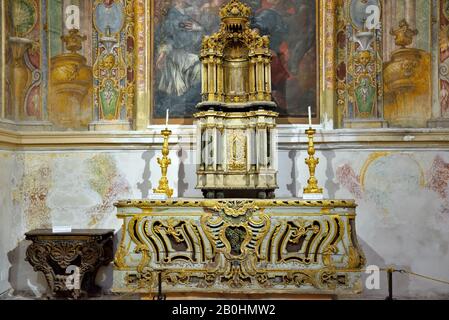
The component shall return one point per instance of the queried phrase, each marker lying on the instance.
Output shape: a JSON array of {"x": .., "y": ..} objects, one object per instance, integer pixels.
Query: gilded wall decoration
[
  {"x": 179, "y": 27},
  {"x": 329, "y": 41},
  {"x": 341, "y": 64},
  {"x": 359, "y": 72},
  {"x": 444, "y": 58},
  {"x": 114, "y": 78}
]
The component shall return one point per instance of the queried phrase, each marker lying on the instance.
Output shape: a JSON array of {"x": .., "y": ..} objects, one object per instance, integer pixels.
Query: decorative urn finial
[
  {"x": 73, "y": 41},
  {"x": 403, "y": 36}
]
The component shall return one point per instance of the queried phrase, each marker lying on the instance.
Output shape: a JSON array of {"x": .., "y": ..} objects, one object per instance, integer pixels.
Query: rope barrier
[
  {"x": 391, "y": 269},
  {"x": 423, "y": 276}
]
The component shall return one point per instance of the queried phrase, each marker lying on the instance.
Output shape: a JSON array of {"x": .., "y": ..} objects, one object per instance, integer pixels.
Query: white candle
[
  {"x": 310, "y": 117},
  {"x": 166, "y": 118}
]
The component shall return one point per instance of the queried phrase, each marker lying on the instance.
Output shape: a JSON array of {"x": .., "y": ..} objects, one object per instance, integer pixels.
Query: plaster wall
[
  {"x": 11, "y": 227},
  {"x": 403, "y": 212}
]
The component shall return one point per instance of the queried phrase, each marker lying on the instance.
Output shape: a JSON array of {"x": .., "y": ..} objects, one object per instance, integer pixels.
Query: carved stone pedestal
[{"x": 70, "y": 261}]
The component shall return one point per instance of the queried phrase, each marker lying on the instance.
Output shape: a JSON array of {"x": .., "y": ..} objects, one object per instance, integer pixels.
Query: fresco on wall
[
  {"x": 70, "y": 76},
  {"x": 386, "y": 176},
  {"x": 33, "y": 189},
  {"x": 24, "y": 16},
  {"x": 444, "y": 58},
  {"x": 24, "y": 82},
  {"x": 113, "y": 67},
  {"x": 407, "y": 75},
  {"x": 109, "y": 183},
  {"x": 180, "y": 25}
]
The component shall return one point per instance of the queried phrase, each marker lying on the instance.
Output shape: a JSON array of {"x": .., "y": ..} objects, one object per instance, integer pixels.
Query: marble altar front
[{"x": 238, "y": 246}]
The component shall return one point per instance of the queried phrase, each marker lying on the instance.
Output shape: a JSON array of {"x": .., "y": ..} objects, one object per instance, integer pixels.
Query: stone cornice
[{"x": 290, "y": 137}]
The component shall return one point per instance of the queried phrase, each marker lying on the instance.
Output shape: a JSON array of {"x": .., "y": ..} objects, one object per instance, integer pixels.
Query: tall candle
[
  {"x": 310, "y": 117},
  {"x": 166, "y": 118}
]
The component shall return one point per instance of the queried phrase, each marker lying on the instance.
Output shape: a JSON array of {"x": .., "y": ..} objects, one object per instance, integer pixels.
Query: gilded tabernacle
[{"x": 236, "y": 122}]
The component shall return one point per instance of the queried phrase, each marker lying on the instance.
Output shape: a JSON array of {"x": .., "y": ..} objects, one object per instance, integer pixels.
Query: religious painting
[{"x": 179, "y": 26}]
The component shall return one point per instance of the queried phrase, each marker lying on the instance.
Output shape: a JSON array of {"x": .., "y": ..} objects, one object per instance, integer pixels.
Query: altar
[
  {"x": 239, "y": 239},
  {"x": 238, "y": 246}
]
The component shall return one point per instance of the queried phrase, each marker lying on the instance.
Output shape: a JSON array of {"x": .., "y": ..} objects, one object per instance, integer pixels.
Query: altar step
[{"x": 224, "y": 296}]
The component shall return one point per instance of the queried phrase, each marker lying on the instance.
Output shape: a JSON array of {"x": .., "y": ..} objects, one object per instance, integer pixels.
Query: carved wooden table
[{"x": 70, "y": 261}]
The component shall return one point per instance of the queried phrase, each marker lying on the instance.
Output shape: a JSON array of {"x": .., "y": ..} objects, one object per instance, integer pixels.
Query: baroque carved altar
[{"x": 238, "y": 246}]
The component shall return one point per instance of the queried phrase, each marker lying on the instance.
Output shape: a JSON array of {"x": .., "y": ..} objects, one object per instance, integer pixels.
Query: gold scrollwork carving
[
  {"x": 241, "y": 245},
  {"x": 235, "y": 208},
  {"x": 260, "y": 203}
]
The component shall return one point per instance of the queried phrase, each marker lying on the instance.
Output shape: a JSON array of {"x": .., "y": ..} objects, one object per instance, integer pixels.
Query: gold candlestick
[
  {"x": 164, "y": 162},
  {"x": 312, "y": 162}
]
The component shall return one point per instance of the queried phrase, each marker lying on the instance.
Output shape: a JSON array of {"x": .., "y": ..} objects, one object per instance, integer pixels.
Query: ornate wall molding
[{"x": 289, "y": 137}]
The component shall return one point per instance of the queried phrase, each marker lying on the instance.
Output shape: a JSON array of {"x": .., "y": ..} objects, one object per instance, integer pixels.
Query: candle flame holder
[
  {"x": 312, "y": 162},
  {"x": 164, "y": 162}
]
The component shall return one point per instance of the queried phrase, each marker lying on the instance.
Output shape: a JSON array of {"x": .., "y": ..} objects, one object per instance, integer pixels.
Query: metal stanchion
[
  {"x": 390, "y": 283},
  {"x": 160, "y": 296}
]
